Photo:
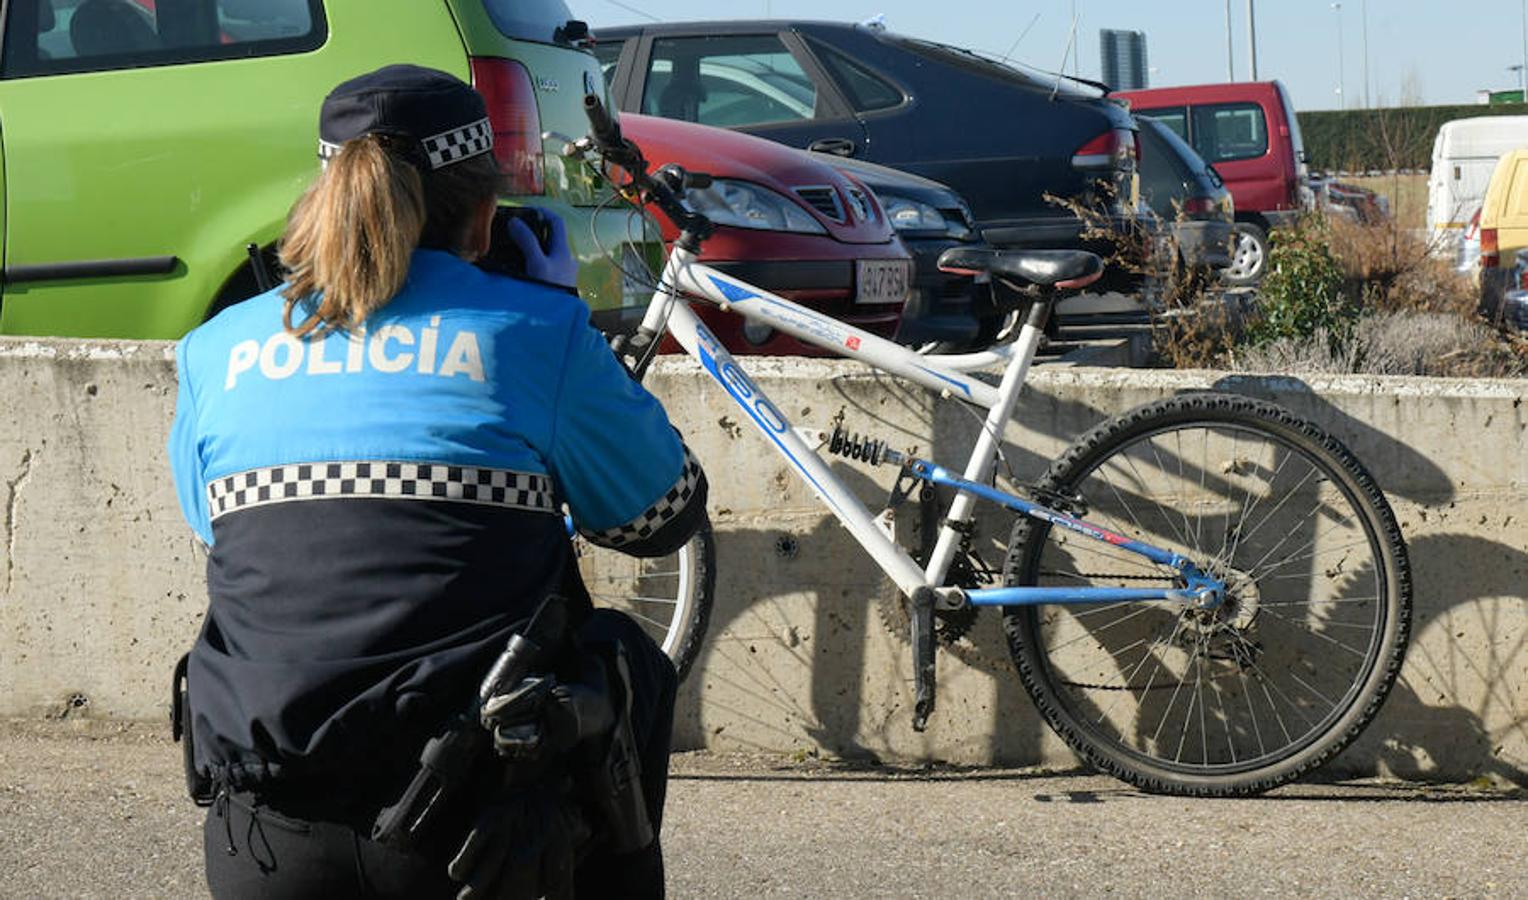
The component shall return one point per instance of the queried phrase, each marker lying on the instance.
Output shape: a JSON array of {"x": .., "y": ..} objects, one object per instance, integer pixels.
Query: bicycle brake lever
[{"x": 558, "y": 137}]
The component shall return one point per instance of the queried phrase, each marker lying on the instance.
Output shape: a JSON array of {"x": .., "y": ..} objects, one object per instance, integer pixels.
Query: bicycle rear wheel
[
  {"x": 1282, "y": 676},
  {"x": 670, "y": 596}
]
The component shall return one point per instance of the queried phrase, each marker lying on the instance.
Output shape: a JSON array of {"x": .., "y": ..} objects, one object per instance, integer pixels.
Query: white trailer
[{"x": 1464, "y": 155}]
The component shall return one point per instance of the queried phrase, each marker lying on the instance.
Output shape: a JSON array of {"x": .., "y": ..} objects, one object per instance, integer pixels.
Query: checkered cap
[
  {"x": 435, "y": 117},
  {"x": 671, "y": 504},
  {"x": 459, "y": 143},
  {"x": 380, "y": 480}
]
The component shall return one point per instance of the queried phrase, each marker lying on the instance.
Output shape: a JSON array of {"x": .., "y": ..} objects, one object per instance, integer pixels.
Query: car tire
[{"x": 1249, "y": 255}]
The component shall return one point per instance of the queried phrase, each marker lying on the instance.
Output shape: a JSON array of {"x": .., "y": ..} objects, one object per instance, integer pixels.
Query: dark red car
[{"x": 787, "y": 222}]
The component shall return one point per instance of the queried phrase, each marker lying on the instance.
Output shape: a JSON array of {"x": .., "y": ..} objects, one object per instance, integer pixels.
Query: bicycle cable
[{"x": 643, "y": 276}]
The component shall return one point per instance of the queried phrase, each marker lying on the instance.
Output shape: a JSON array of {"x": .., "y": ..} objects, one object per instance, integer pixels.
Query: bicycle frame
[{"x": 668, "y": 311}]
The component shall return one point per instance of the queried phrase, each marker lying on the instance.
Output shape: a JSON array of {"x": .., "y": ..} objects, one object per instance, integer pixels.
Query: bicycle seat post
[{"x": 984, "y": 453}]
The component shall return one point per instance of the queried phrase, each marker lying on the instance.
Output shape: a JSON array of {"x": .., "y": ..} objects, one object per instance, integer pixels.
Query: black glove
[
  {"x": 540, "y": 715},
  {"x": 516, "y": 718},
  {"x": 522, "y": 845}
]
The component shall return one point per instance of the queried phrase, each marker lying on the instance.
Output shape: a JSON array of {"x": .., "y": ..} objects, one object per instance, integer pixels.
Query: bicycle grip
[{"x": 604, "y": 129}]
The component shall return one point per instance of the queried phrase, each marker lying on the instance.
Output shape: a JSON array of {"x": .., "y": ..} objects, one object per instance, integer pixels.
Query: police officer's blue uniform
[{"x": 382, "y": 508}]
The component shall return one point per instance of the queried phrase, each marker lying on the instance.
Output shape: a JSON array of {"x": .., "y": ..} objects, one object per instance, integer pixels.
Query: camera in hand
[{"x": 504, "y": 256}]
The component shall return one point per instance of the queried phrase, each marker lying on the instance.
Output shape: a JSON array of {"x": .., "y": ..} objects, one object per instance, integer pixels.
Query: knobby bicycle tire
[
  {"x": 1266, "y": 688},
  {"x": 670, "y": 596}
]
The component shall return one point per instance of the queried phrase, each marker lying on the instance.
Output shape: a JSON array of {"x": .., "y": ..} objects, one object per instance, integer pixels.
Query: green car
[{"x": 147, "y": 143}]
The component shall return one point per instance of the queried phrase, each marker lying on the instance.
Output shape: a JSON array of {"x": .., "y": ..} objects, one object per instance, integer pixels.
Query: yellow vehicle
[{"x": 1503, "y": 226}]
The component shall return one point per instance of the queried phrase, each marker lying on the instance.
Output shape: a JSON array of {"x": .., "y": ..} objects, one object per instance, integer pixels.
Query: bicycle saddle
[{"x": 1047, "y": 268}]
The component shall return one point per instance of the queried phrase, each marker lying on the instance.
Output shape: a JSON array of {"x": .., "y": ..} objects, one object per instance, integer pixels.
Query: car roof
[
  {"x": 739, "y": 26},
  {"x": 1201, "y": 93},
  {"x": 1481, "y": 136},
  {"x": 717, "y": 26}
]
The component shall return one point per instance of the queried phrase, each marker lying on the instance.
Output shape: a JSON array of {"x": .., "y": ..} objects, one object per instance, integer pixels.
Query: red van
[{"x": 1248, "y": 131}]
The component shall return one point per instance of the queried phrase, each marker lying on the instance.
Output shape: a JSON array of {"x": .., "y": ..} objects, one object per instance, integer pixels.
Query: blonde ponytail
[{"x": 351, "y": 236}]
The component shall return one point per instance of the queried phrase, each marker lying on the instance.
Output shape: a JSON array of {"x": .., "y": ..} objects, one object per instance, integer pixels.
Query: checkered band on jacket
[
  {"x": 667, "y": 507},
  {"x": 380, "y": 480}
]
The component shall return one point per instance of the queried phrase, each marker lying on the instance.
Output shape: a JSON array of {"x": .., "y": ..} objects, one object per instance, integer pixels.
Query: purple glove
[{"x": 554, "y": 265}]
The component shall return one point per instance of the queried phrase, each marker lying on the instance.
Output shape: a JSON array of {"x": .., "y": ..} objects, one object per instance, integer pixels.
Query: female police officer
[{"x": 376, "y": 454}]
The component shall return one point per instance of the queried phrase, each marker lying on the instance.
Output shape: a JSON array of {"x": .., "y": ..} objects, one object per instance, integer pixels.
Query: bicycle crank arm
[{"x": 922, "y": 639}]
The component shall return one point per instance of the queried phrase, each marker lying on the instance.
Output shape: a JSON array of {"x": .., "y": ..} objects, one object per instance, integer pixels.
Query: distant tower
[{"x": 1124, "y": 59}]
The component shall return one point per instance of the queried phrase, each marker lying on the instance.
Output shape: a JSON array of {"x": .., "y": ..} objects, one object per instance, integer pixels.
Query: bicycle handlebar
[
  {"x": 664, "y": 190},
  {"x": 602, "y": 128}
]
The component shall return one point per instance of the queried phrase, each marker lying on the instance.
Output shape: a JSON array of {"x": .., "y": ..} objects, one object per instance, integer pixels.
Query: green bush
[{"x": 1303, "y": 295}]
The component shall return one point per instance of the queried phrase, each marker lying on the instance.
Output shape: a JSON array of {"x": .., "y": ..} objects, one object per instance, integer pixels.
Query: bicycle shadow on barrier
[
  {"x": 1455, "y": 712},
  {"x": 821, "y": 665},
  {"x": 835, "y": 617},
  {"x": 1458, "y": 674}
]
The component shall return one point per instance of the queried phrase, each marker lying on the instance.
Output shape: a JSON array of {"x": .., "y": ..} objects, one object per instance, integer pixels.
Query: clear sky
[{"x": 1427, "y": 51}]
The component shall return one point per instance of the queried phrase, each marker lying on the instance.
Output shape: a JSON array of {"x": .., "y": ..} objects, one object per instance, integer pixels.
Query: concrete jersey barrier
[{"x": 102, "y": 584}]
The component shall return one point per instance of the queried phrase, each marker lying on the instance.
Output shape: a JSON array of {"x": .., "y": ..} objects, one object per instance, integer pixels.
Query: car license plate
[{"x": 882, "y": 280}]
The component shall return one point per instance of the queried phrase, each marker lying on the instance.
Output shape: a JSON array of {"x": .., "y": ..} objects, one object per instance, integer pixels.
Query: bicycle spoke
[
  {"x": 1146, "y": 655},
  {"x": 1291, "y": 532},
  {"x": 1366, "y": 598},
  {"x": 1204, "y": 460},
  {"x": 661, "y": 626},
  {"x": 1225, "y": 721},
  {"x": 1181, "y": 538},
  {"x": 1260, "y": 574},
  {"x": 1171, "y": 702},
  {"x": 1095, "y": 632},
  {"x": 1316, "y": 634},
  {"x": 1241, "y": 524},
  {"x": 1278, "y": 506},
  {"x": 1257, "y": 731}
]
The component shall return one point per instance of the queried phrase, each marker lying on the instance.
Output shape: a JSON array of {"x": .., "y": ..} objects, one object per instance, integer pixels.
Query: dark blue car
[{"x": 1002, "y": 137}]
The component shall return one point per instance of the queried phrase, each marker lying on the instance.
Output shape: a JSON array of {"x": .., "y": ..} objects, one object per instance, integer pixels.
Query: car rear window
[
  {"x": 52, "y": 37},
  {"x": 529, "y": 20},
  {"x": 1163, "y": 176},
  {"x": 1174, "y": 117},
  {"x": 1227, "y": 131}
]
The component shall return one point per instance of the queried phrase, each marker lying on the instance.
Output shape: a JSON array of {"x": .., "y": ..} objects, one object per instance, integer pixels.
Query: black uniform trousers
[{"x": 277, "y": 846}]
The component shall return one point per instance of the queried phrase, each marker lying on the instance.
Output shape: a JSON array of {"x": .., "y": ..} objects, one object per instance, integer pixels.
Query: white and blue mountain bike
[{"x": 1205, "y": 595}]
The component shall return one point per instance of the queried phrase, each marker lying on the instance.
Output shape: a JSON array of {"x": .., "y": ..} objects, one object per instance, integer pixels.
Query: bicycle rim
[
  {"x": 669, "y": 596},
  {"x": 1287, "y": 671}
]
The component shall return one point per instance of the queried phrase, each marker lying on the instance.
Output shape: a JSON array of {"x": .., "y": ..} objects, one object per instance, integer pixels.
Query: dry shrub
[
  {"x": 1394, "y": 269},
  {"x": 1191, "y": 326},
  {"x": 1407, "y": 312},
  {"x": 1396, "y": 342}
]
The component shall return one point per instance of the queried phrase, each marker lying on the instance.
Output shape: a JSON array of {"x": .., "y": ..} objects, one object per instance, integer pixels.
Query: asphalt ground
[{"x": 88, "y": 810}]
